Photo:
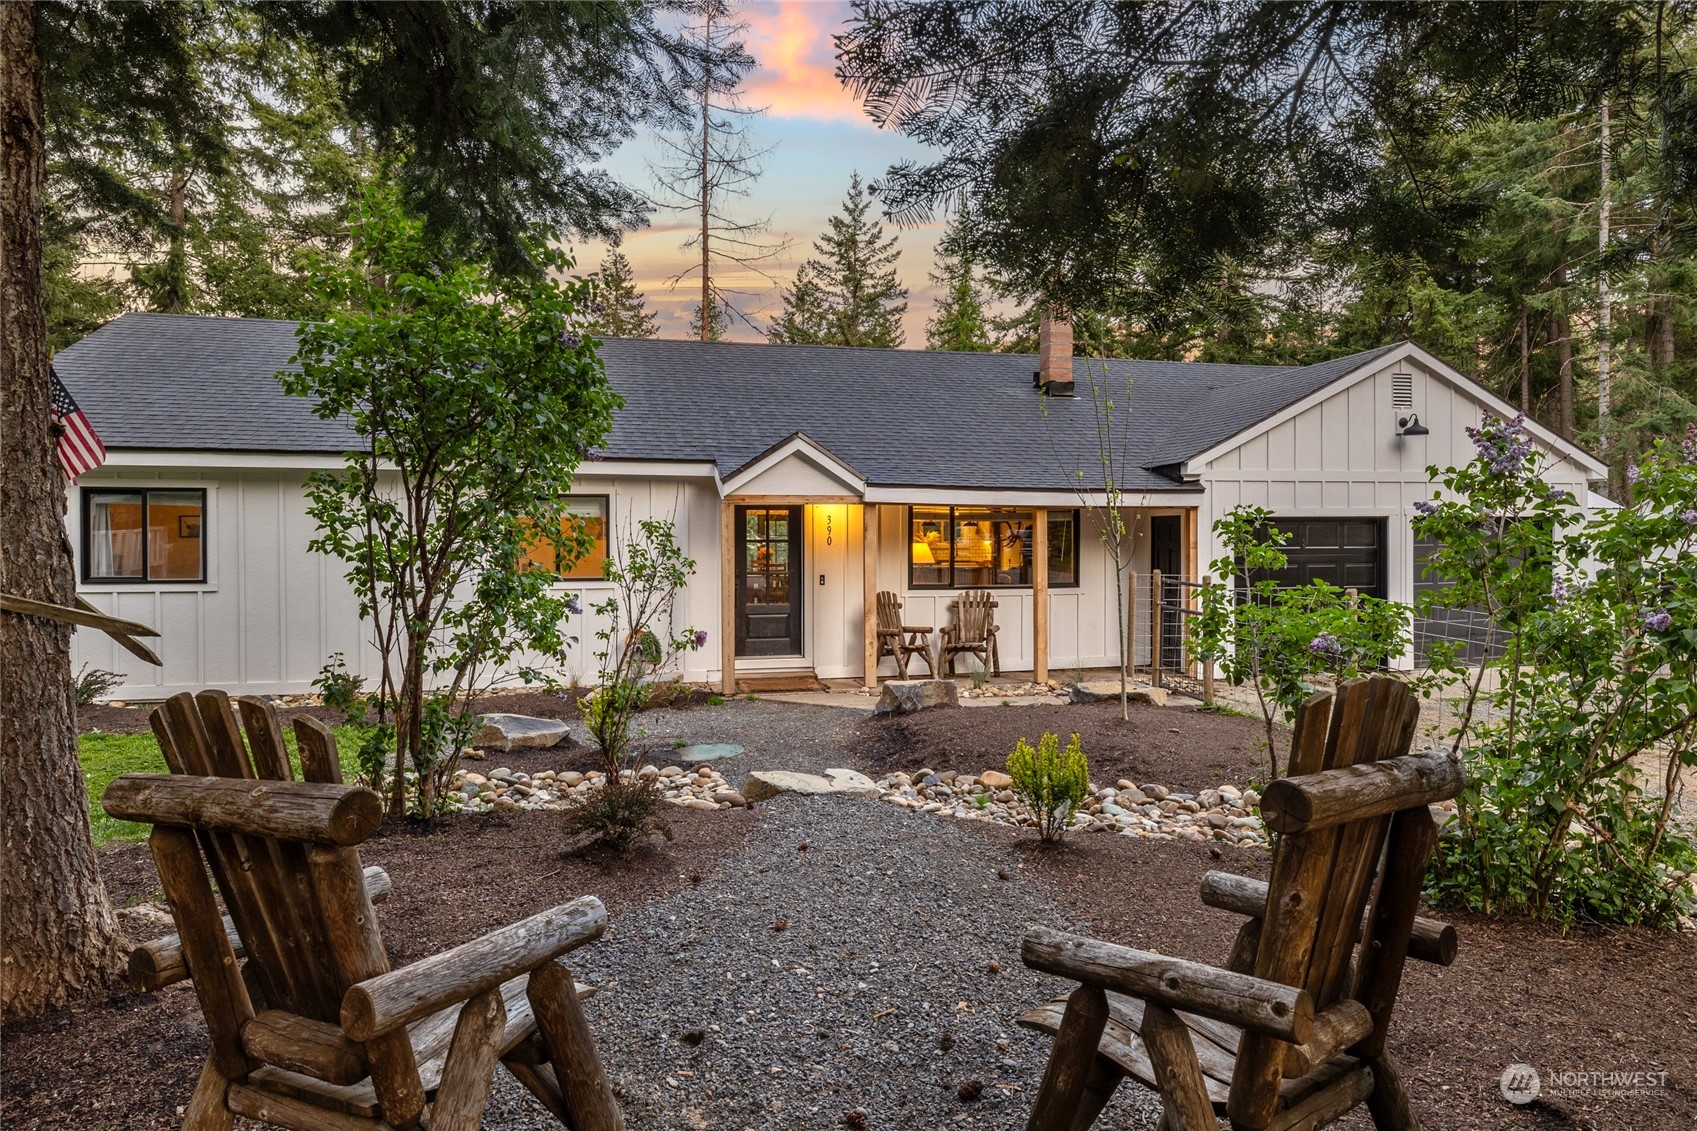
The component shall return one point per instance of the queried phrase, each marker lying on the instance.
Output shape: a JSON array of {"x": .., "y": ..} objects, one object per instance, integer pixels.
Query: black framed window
[
  {"x": 145, "y": 534},
  {"x": 986, "y": 548}
]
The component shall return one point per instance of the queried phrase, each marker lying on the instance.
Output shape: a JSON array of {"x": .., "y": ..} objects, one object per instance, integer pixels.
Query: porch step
[{"x": 779, "y": 681}]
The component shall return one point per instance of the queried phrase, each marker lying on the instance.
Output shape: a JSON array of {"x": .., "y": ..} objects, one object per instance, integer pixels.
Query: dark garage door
[{"x": 1346, "y": 552}]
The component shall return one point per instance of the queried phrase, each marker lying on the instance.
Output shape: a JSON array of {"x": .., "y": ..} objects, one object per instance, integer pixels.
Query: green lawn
[{"x": 106, "y": 756}]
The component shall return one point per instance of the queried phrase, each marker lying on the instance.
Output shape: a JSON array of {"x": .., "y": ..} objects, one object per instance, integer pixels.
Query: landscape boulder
[
  {"x": 509, "y": 732},
  {"x": 1108, "y": 690},
  {"x": 764, "y": 784},
  {"x": 905, "y": 696},
  {"x": 994, "y": 779}
]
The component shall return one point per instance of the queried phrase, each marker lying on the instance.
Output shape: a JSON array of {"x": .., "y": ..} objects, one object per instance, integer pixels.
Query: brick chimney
[{"x": 1054, "y": 352}]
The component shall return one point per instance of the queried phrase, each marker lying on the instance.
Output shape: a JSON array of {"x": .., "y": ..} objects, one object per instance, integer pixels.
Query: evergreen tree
[
  {"x": 718, "y": 322},
  {"x": 619, "y": 309},
  {"x": 959, "y": 322},
  {"x": 849, "y": 295}
]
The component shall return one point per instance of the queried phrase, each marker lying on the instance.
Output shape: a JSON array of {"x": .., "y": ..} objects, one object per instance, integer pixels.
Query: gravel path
[
  {"x": 775, "y": 735},
  {"x": 890, "y": 925}
]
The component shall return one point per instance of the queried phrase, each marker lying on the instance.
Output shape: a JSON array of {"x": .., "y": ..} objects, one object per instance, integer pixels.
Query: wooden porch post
[
  {"x": 869, "y": 585},
  {"x": 728, "y": 597},
  {"x": 1040, "y": 595}
]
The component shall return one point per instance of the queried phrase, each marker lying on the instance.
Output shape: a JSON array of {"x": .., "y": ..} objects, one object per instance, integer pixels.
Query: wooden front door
[{"x": 769, "y": 581}]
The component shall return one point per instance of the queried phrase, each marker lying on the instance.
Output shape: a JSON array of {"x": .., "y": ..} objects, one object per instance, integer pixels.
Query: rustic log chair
[
  {"x": 314, "y": 1032},
  {"x": 973, "y": 633},
  {"x": 1292, "y": 1033},
  {"x": 902, "y": 640}
]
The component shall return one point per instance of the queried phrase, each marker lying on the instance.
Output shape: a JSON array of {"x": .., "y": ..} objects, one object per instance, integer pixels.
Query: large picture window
[
  {"x": 986, "y": 548},
  {"x": 582, "y": 512},
  {"x": 144, "y": 535}
]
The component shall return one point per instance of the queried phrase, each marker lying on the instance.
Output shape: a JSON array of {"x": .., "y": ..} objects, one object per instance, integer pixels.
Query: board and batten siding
[
  {"x": 271, "y": 613},
  {"x": 1341, "y": 458}
]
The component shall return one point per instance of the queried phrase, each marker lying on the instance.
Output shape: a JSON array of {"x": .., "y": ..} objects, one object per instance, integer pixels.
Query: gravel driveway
[{"x": 711, "y": 1016}]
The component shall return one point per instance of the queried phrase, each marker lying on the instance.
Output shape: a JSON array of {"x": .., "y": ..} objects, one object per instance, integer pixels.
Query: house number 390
[{"x": 828, "y": 529}]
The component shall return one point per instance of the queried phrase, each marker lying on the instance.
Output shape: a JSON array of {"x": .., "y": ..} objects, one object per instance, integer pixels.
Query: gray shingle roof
[{"x": 898, "y": 417}]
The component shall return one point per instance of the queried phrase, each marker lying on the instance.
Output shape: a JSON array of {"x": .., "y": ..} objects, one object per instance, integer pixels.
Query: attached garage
[{"x": 1346, "y": 552}]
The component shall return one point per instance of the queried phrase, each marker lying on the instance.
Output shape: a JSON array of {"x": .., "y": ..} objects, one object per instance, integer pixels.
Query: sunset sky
[{"x": 818, "y": 136}]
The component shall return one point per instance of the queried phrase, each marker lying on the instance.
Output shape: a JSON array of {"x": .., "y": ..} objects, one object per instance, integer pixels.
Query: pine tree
[
  {"x": 959, "y": 322},
  {"x": 620, "y": 310},
  {"x": 849, "y": 295},
  {"x": 718, "y": 321}
]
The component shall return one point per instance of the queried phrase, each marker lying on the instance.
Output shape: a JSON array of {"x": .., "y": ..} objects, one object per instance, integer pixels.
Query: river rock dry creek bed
[{"x": 811, "y": 962}]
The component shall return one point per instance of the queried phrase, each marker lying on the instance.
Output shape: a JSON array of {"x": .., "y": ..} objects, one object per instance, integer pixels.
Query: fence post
[
  {"x": 1131, "y": 624},
  {"x": 1155, "y": 641},
  {"x": 1208, "y": 661}
]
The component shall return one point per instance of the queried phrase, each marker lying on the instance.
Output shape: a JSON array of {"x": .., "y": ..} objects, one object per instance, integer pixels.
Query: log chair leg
[
  {"x": 470, "y": 1067},
  {"x": 571, "y": 1047},
  {"x": 1245, "y": 947},
  {"x": 1071, "y": 1061},
  {"x": 1105, "y": 1077},
  {"x": 539, "y": 1080},
  {"x": 1389, "y": 1102},
  {"x": 1184, "y": 1093},
  {"x": 207, "y": 1110}
]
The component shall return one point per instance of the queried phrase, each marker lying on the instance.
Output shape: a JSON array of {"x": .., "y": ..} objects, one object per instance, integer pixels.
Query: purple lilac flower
[
  {"x": 1689, "y": 516},
  {"x": 572, "y": 605},
  {"x": 1327, "y": 645},
  {"x": 1559, "y": 592},
  {"x": 1658, "y": 620},
  {"x": 1632, "y": 474},
  {"x": 597, "y": 308},
  {"x": 571, "y": 340},
  {"x": 1689, "y": 446},
  {"x": 1426, "y": 507},
  {"x": 1503, "y": 444},
  {"x": 700, "y": 638}
]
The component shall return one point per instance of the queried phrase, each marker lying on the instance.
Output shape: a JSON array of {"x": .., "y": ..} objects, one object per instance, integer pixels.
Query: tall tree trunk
[
  {"x": 1561, "y": 336},
  {"x": 1604, "y": 297},
  {"x": 58, "y": 931},
  {"x": 1525, "y": 364},
  {"x": 706, "y": 185}
]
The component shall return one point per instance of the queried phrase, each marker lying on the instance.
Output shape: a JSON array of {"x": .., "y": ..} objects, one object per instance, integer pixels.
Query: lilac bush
[{"x": 1594, "y": 691}]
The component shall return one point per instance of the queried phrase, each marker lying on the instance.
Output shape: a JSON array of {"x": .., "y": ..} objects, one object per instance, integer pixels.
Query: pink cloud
[{"x": 791, "y": 42}]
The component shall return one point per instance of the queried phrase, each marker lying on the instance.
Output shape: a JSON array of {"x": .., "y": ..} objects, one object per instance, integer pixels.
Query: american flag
[{"x": 80, "y": 448}]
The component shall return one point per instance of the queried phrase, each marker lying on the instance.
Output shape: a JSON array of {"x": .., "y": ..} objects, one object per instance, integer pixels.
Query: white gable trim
[
  {"x": 1193, "y": 466},
  {"x": 798, "y": 445}
]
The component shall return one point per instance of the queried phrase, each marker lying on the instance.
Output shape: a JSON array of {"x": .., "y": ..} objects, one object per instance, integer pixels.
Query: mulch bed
[
  {"x": 1181, "y": 749},
  {"x": 1592, "y": 1000},
  {"x": 132, "y": 1061}
]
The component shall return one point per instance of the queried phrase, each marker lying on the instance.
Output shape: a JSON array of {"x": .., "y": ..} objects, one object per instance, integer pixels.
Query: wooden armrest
[
  {"x": 1260, "y": 1006},
  {"x": 157, "y": 964},
  {"x": 917, "y": 628},
  {"x": 1431, "y": 941},
  {"x": 1353, "y": 793},
  {"x": 388, "y": 1001},
  {"x": 300, "y": 1044}
]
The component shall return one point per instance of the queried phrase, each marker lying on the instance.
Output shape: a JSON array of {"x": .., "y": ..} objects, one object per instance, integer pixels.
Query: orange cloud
[{"x": 791, "y": 42}]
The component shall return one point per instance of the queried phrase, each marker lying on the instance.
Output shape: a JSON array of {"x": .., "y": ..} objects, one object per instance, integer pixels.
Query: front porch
[{"x": 800, "y": 577}]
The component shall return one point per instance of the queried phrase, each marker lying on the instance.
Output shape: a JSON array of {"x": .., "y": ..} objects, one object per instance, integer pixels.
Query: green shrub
[
  {"x": 1051, "y": 782},
  {"x": 339, "y": 690},
  {"x": 1593, "y": 700}
]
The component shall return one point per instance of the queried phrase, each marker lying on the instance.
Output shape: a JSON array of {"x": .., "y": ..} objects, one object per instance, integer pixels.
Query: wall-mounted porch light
[{"x": 1410, "y": 426}]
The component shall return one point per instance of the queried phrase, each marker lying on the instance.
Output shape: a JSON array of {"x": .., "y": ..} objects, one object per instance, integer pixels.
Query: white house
[{"x": 803, "y": 480}]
